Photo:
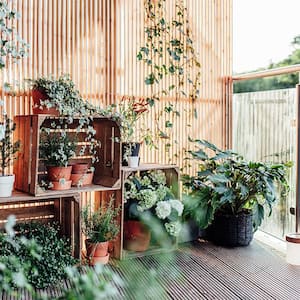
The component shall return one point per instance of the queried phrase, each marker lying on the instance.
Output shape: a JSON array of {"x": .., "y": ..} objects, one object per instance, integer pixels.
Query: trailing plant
[
  {"x": 149, "y": 197},
  {"x": 8, "y": 149},
  {"x": 225, "y": 183},
  {"x": 11, "y": 44},
  {"x": 57, "y": 148},
  {"x": 100, "y": 225}
]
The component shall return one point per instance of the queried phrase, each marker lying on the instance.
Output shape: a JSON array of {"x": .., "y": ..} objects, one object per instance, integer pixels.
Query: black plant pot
[
  {"x": 189, "y": 232},
  {"x": 232, "y": 230},
  {"x": 134, "y": 150}
]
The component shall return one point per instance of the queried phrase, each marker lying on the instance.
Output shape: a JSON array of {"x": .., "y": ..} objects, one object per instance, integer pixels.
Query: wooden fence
[{"x": 96, "y": 42}]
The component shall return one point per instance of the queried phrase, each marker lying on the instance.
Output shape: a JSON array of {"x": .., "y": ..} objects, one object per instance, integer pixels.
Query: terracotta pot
[
  {"x": 82, "y": 179},
  {"x": 99, "y": 260},
  {"x": 80, "y": 168},
  {"x": 61, "y": 185},
  {"x": 57, "y": 173},
  {"x": 136, "y": 236},
  {"x": 96, "y": 249},
  {"x": 38, "y": 95}
]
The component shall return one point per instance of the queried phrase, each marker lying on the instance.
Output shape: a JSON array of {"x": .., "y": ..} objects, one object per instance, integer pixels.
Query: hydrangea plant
[{"x": 149, "y": 193}]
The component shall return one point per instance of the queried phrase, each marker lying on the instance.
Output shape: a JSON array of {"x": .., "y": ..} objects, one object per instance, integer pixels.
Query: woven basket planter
[{"x": 232, "y": 230}]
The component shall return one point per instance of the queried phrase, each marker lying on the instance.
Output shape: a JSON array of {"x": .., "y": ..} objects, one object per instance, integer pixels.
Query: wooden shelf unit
[
  {"x": 172, "y": 176},
  {"x": 60, "y": 208}
]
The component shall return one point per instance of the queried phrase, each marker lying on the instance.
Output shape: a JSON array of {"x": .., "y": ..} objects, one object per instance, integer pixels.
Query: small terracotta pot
[
  {"x": 57, "y": 173},
  {"x": 136, "y": 236},
  {"x": 38, "y": 95},
  {"x": 96, "y": 249},
  {"x": 61, "y": 185},
  {"x": 80, "y": 168},
  {"x": 81, "y": 179},
  {"x": 99, "y": 260}
]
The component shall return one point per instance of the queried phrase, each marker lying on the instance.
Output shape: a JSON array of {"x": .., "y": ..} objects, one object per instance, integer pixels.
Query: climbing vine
[{"x": 170, "y": 56}]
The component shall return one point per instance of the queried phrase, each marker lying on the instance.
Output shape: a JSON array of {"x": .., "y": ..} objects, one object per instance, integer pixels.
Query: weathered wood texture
[
  {"x": 96, "y": 41},
  {"x": 172, "y": 181},
  {"x": 30, "y": 168},
  {"x": 61, "y": 209},
  {"x": 205, "y": 271}
]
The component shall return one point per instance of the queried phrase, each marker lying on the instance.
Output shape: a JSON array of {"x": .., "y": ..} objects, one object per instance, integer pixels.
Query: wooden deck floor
[{"x": 205, "y": 271}]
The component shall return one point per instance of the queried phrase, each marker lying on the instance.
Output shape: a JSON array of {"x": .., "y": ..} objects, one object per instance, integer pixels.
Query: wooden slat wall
[{"x": 96, "y": 41}]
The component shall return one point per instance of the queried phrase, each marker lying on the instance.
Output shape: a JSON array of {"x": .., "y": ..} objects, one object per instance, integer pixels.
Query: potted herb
[
  {"x": 131, "y": 109},
  {"x": 57, "y": 148},
  {"x": 150, "y": 204},
  {"x": 100, "y": 227},
  {"x": 8, "y": 149},
  {"x": 228, "y": 194}
]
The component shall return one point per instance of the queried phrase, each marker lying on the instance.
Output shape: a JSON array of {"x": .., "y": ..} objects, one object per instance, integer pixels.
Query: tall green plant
[{"x": 226, "y": 183}]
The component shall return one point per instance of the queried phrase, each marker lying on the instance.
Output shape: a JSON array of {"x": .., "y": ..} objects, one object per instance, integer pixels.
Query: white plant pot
[
  {"x": 133, "y": 161},
  {"x": 6, "y": 185}
]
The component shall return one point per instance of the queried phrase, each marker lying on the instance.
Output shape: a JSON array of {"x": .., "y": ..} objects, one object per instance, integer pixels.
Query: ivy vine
[{"x": 169, "y": 53}]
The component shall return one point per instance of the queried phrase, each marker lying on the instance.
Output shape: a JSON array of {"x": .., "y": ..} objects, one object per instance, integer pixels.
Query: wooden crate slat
[
  {"x": 30, "y": 170},
  {"x": 27, "y": 212}
]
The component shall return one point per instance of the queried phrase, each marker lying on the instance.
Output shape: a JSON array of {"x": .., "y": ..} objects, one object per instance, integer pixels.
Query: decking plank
[{"x": 204, "y": 271}]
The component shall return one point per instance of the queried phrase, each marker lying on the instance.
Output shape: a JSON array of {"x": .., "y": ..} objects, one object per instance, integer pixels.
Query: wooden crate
[
  {"x": 30, "y": 170},
  {"x": 60, "y": 209},
  {"x": 172, "y": 176}
]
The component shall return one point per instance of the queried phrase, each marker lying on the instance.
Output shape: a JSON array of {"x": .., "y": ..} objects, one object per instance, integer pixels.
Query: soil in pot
[
  {"x": 6, "y": 185},
  {"x": 136, "y": 236},
  {"x": 232, "y": 230},
  {"x": 38, "y": 95},
  {"x": 57, "y": 173}
]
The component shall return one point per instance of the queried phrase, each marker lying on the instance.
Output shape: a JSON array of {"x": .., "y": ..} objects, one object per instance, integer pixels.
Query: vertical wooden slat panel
[{"x": 96, "y": 42}]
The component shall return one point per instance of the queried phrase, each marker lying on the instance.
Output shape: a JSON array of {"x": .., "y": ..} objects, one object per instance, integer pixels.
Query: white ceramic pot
[
  {"x": 6, "y": 185},
  {"x": 133, "y": 161}
]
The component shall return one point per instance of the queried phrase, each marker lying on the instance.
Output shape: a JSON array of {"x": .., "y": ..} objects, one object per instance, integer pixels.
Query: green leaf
[
  {"x": 218, "y": 178},
  {"x": 168, "y": 124}
]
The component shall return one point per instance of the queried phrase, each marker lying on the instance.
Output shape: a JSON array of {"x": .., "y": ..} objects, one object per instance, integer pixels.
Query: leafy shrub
[{"x": 55, "y": 253}]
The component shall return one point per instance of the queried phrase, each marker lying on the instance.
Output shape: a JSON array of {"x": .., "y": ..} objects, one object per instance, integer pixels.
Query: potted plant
[
  {"x": 82, "y": 174},
  {"x": 228, "y": 194},
  {"x": 8, "y": 149},
  {"x": 100, "y": 227},
  {"x": 57, "y": 148},
  {"x": 58, "y": 96},
  {"x": 130, "y": 110},
  {"x": 149, "y": 204}
]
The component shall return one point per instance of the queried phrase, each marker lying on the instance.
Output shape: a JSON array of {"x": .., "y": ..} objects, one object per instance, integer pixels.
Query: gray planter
[{"x": 189, "y": 232}]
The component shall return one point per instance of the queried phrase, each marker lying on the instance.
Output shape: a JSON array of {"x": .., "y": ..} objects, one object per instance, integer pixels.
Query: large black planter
[
  {"x": 232, "y": 230},
  {"x": 134, "y": 149}
]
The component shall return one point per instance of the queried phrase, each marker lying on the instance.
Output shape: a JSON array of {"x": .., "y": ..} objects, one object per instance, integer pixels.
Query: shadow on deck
[{"x": 204, "y": 271}]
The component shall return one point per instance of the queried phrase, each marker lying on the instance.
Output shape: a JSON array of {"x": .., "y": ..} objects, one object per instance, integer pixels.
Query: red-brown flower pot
[
  {"x": 136, "y": 236},
  {"x": 96, "y": 252},
  {"x": 80, "y": 168},
  {"x": 38, "y": 95},
  {"x": 61, "y": 185},
  {"x": 57, "y": 173}
]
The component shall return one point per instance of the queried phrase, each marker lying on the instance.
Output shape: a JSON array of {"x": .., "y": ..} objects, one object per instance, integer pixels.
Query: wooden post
[{"x": 298, "y": 160}]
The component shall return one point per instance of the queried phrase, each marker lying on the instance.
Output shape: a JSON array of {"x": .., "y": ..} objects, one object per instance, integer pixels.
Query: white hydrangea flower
[
  {"x": 163, "y": 209},
  {"x": 173, "y": 228},
  {"x": 147, "y": 198},
  {"x": 177, "y": 205}
]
